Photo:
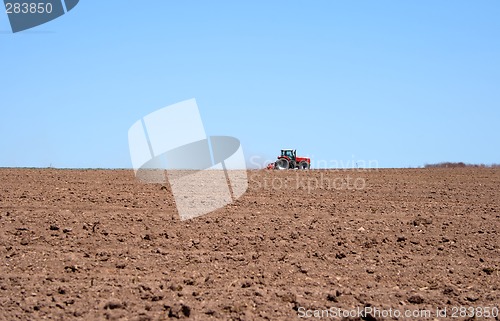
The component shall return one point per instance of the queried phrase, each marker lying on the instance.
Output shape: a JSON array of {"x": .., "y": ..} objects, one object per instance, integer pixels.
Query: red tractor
[{"x": 289, "y": 160}]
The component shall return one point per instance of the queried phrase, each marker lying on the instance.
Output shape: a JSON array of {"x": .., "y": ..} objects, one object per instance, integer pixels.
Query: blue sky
[{"x": 402, "y": 83}]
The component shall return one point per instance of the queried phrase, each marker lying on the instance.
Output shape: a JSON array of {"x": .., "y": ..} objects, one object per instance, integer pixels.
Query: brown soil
[{"x": 98, "y": 244}]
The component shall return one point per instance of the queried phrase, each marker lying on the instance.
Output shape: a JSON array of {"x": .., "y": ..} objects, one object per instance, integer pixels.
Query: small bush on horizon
[{"x": 459, "y": 165}]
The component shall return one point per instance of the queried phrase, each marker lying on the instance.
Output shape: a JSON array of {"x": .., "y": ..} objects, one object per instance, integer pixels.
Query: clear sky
[{"x": 402, "y": 83}]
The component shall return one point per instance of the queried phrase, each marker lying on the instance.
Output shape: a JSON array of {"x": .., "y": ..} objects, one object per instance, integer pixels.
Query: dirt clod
[
  {"x": 416, "y": 299},
  {"x": 114, "y": 304}
]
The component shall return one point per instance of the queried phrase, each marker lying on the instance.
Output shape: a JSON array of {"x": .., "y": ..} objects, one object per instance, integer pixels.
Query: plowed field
[{"x": 98, "y": 244}]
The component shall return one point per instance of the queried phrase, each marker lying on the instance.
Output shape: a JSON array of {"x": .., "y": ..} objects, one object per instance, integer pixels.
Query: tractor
[{"x": 289, "y": 160}]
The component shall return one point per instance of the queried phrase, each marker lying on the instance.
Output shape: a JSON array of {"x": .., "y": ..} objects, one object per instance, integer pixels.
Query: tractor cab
[{"x": 291, "y": 153}]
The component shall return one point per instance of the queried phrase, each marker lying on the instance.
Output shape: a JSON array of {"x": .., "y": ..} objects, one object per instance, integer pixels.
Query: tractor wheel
[
  {"x": 304, "y": 165},
  {"x": 282, "y": 163}
]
